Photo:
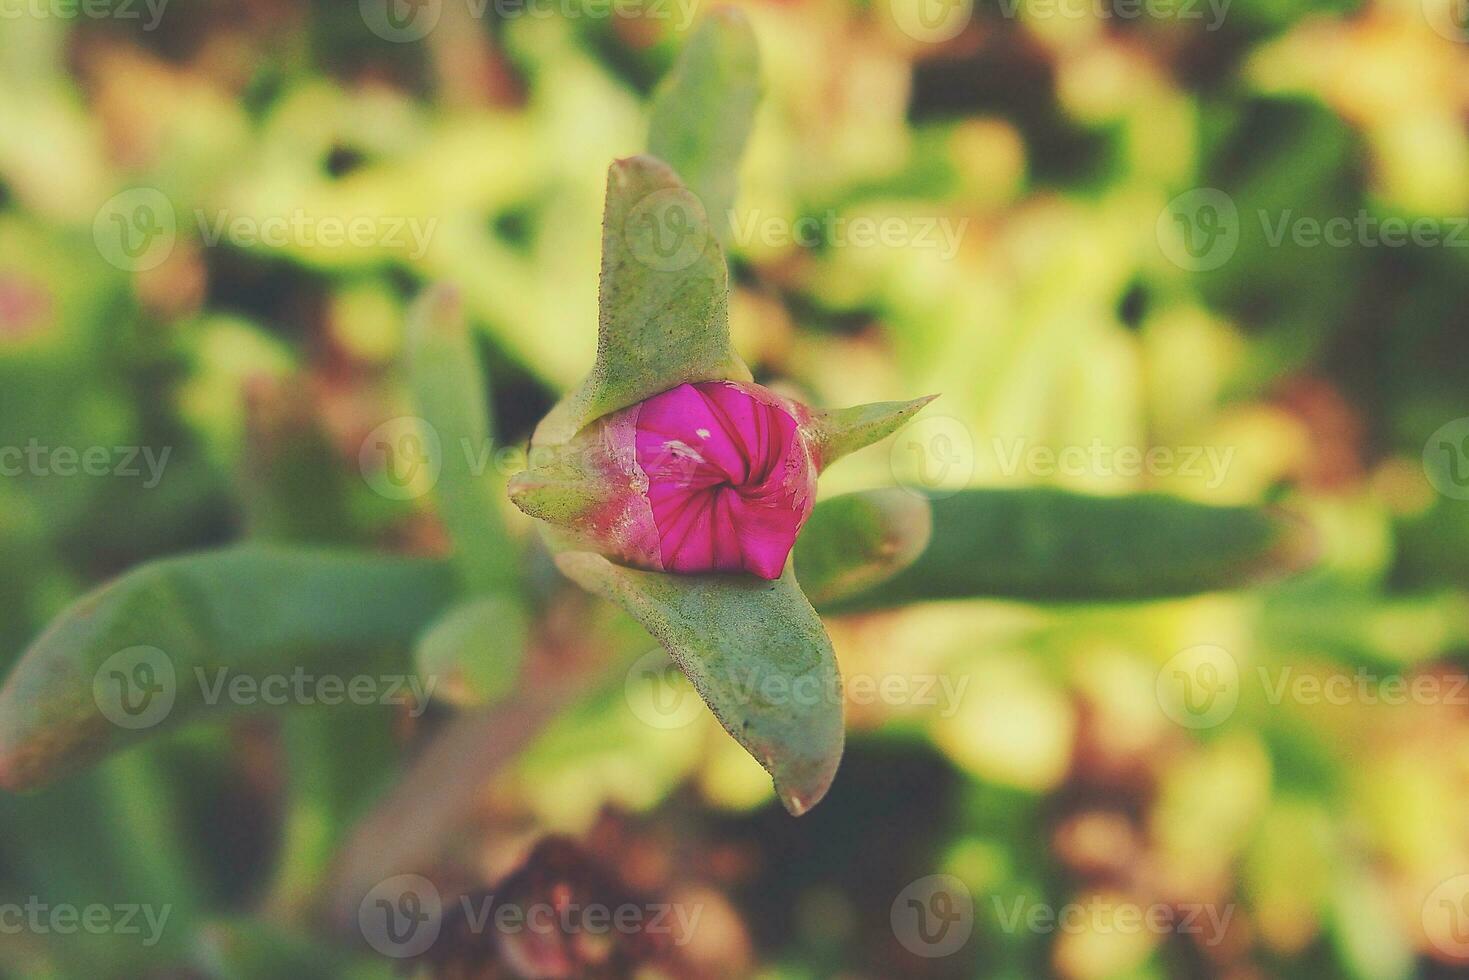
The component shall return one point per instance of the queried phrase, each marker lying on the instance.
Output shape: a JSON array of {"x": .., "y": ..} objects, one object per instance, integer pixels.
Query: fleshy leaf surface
[
  {"x": 143, "y": 653},
  {"x": 450, "y": 394},
  {"x": 836, "y": 432},
  {"x": 1042, "y": 544},
  {"x": 754, "y": 650},
  {"x": 664, "y": 303},
  {"x": 704, "y": 110},
  {"x": 854, "y": 542}
]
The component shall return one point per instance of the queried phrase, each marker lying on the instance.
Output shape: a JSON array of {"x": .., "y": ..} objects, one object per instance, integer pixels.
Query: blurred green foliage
[{"x": 180, "y": 286}]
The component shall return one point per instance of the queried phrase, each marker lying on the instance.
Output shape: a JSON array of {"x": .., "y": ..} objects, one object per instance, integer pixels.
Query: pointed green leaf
[
  {"x": 149, "y": 650},
  {"x": 664, "y": 316},
  {"x": 756, "y": 653},
  {"x": 840, "y": 431},
  {"x": 854, "y": 542},
  {"x": 449, "y": 390},
  {"x": 472, "y": 654},
  {"x": 704, "y": 110},
  {"x": 1044, "y": 544}
]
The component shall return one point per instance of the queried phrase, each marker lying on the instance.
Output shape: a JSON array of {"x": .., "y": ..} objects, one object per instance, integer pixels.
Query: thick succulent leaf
[
  {"x": 756, "y": 653},
  {"x": 664, "y": 305},
  {"x": 837, "y": 432},
  {"x": 473, "y": 652},
  {"x": 704, "y": 110},
  {"x": 854, "y": 542},
  {"x": 449, "y": 391},
  {"x": 147, "y": 651},
  {"x": 1044, "y": 544}
]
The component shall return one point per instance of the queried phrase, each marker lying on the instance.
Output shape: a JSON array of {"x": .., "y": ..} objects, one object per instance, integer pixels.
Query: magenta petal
[{"x": 730, "y": 481}]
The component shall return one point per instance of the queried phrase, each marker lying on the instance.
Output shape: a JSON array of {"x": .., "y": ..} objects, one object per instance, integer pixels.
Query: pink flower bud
[
  {"x": 708, "y": 477},
  {"x": 730, "y": 480}
]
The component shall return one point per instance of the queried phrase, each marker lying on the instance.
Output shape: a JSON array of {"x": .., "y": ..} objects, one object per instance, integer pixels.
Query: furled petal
[{"x": 730, "y": 480}]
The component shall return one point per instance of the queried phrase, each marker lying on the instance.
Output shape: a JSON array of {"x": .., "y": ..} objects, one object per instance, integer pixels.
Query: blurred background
[{"x": 1216, "y": 249}]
